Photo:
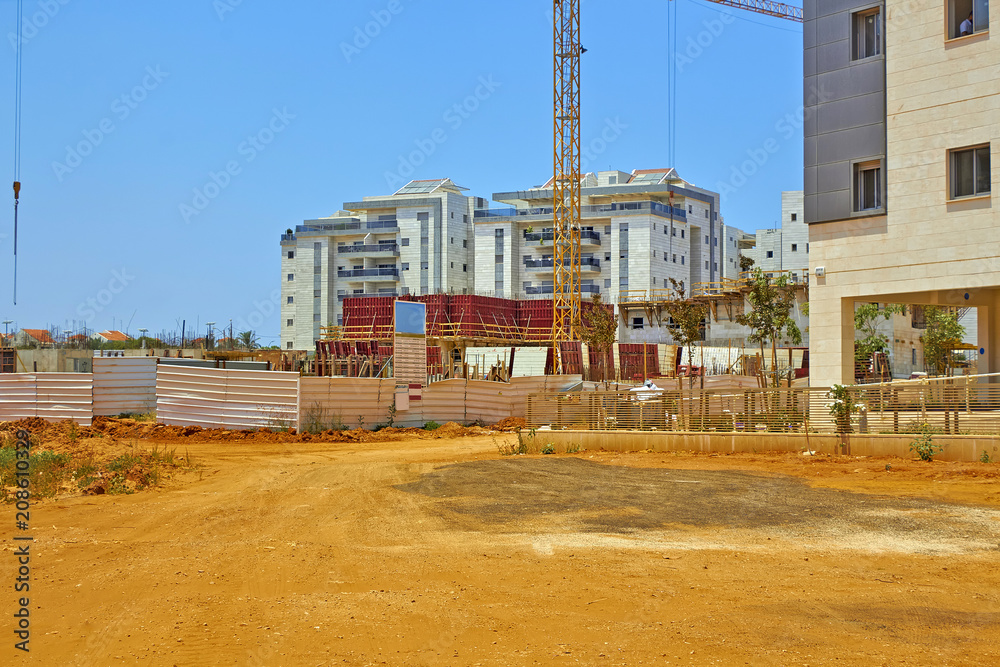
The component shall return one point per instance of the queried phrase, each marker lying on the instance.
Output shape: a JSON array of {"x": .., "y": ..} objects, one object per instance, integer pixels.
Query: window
[
  {"x": 423, "y": 266},
  {"x": 465, "y": 217},
  {"x": 465, "y": 268},
  {"x": 654, "y": 254},
  {"x": 636, "y": 322},
  {"x": 423, "y": 217},
  {"x": 682, "y": 260},
  {"x": 867, "y": 186},
  {"x": 706, "y": 265},
  {"x": 675, "y": 259},
  {"x": 315, "y": 317},
  {"x": 291, "y": 277},
  {"x": 465, "y": 243},
  {"x": 867, "y": 35},
  {"x": 795, "y": 216},
  {"x": 612, "y": 180},
  {"x": 288, "y": 345},
  {"x": 623, "y": 281},
  {"x": 290, "y": 322},
  {"x": 404, "y": 241},
  {"x": 967, "y": 17},
  {"x": 498, "y": 233},
  {"x": 290, "y": 299},
  {"x": 913, "y": 356},
  {"x": 452, "y": 215},
  {"x": 498, "y": 259},
  {"x": 607, "y": 257},
  {"x": 673, "y": 232},
  {"x": 291, "y": 254},
  {"x": 682, "y": 233},
  {"x": 406, "y": 266},
  {"x": 607, "y": 282},
  {"x": 690, "y": 209},
  {"x": 317, "y": 268},
  {"x": 970, "y": 172},
  {"x": 654, "y": 226},
  {"x": 654, "y": 281},
  {"x": 770, "y": 254},
  {"x": 607, "y": 229},
  {"x": 715, "y": 242},
  {"x": 795, "y": 247},
  {"x": 498, "y": 286},
  {"x": 452, "y": 265},
  {"x": 706, "y": 239}
]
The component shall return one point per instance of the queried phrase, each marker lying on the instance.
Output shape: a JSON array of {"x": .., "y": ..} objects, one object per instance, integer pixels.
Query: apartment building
[
  {"x": 638, "y": 230},
  {"x": 417, "y": 240},
  {"x": 786, "y": 247},
  {"x": 902, "y": 109}
]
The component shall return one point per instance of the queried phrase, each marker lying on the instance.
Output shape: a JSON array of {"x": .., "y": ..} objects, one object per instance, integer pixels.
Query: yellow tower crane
[{"x": 566, "y": 297}]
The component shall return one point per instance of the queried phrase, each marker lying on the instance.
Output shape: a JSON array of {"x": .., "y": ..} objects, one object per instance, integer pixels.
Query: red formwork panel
[{"x": 571, "y": 357}]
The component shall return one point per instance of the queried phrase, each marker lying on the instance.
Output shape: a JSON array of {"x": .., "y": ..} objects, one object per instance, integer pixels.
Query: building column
[
  {"x": 831, "y": 341},
  {"x": 988, "y": 336}
]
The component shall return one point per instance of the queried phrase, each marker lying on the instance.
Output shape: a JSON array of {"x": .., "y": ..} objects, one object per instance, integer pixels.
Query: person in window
[{"x": 966, "y": 27}]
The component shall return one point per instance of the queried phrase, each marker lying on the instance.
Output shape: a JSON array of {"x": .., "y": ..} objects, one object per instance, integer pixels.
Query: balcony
[
  {"x": 370, "y": 273},
  {"x": 341, "y": 297},
  {"x": 354, "y": 227},
  {"x": 547, "y": 289},
  {"x": 375, "y": 249},
  {"x": 594, "y": 211},
  {"x": 586, "y": 264},
  {"x": 587, "y": 237}
]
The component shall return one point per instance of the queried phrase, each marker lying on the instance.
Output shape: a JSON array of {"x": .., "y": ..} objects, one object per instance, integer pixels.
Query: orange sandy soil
[{"x": 413, "y": 549}]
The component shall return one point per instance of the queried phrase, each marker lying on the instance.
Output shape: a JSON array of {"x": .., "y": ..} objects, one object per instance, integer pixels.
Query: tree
[
  {"x": 687, "y": 317},
  {"x": 867, "y": 317},
  {"x": 746, "y": 263},
  {"x": 599, "y": 329},
  {"x": 770, "y": 314},
  {"x": 943, "y": 332},
  {"x": 248, "y": 340}
]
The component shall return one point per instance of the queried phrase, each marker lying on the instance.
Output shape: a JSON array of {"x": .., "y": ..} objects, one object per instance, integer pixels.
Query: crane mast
[
  {"x": 566, "y": 296},
  {"x": 566, "y": 175}
]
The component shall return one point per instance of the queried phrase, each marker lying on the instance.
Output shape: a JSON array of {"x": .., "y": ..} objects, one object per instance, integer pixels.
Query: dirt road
[{"x": 441, "y": 552}]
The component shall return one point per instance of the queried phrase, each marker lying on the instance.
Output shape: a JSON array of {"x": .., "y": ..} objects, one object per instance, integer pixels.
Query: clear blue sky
[{"x": 163, "y": 95}]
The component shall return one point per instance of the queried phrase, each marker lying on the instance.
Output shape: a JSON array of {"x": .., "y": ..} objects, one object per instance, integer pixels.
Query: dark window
[
  {"x": 291, "y": 299},
  {"x": 290, "y": 322},
  {"x": 770, "y": 254},
  {"x": 795, "y": 216},
  {"x": 636, "y": 322},
  {"x": 406, "y": 266},
  {"x": 291, "y": 254},
  {"x": 970, "y": 172},
  {"x": 867, "y": 34},
  {"x": 867, "y": 186},
  {"x": 404, "y": 241},
  {"x": 795, "y": 247},
  {"x": 291, "y": 277}
]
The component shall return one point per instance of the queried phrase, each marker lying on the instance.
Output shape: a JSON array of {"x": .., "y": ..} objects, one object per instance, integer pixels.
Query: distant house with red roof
[
  {"x": 112, "y": 337},
  {"x": 36, "y": 337}
]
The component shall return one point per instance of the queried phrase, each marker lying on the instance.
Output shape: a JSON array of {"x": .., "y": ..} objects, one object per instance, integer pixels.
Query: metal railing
[
  {"x": 547, "y": 289},
  {"x": 369, "y": 247},
  {"x": 341, "y": 297},
  {"x": 954, "y": 406},
  {"x": 587, "y": 236},
  {"x": 366, "y": 273},
  {"x": 589, "y": 262},
  {"x": 596, "y": 210}
]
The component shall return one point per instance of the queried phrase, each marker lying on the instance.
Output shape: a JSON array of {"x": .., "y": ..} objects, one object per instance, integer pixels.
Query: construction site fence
[
  {"x": 331, "y": 402},
  {"x": 960, "y": 407}
]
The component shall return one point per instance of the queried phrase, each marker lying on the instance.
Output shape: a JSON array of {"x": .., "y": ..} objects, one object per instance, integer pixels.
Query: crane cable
[
  {"x": 17, "y": 133},
  {"x": 672, "y": 82}
]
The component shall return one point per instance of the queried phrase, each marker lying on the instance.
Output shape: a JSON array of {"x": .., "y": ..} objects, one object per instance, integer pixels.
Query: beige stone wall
[{"x": 940, "y": 95}]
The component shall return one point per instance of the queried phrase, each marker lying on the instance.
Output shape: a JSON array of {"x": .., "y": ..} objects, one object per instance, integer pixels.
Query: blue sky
[{"x": 165, "y": 146}]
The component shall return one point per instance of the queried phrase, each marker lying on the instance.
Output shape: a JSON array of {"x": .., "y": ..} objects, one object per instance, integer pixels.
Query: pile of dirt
[{"x": 509, "y": 425}]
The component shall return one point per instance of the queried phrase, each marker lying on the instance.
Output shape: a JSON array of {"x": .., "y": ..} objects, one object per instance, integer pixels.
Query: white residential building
[
  {"x": 785, "y": 248},
  {"x": 639, "y": 230},
  {"x": 416, "y": 241}
]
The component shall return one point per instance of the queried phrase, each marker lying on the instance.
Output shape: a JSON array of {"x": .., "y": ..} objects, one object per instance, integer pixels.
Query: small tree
[
  {"x": 248, "y": 340},
  {"x": 943, "y": 332},
  {"x": 746, "y": 263},
  {"x": 770, "y": 313},
  {"x": 598, "y": 329},
  {"x": 867, "y": 318},
  {"x": 687, "y": 317}
]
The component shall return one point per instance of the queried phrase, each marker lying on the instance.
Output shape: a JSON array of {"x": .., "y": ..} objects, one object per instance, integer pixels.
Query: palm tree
[{"x": 248, "y": 339}]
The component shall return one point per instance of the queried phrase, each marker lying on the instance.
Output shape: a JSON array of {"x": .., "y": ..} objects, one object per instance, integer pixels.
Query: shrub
[
  {"x": 924, "y": 445},
  {"x": 431, "y": 425}
]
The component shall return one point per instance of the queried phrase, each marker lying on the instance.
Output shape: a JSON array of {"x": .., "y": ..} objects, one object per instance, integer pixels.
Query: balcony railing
[
  {"x": 592, "y": 263},
  {"x": 547, "y": 289},
  {"x": 596, "y": 210},
  {"x": 368, "y": 273},
  {"x": 586, "y": 236},
  {"x": 369, "y": 247},
  {"x": 356, "y": 225},
  {"x": 341, "y": 297}
]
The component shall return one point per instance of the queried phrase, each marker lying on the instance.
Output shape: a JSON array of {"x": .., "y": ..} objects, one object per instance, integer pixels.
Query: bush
[
  {"x": 431, "y": 425},
  {"x": 924, "y": 445}
]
